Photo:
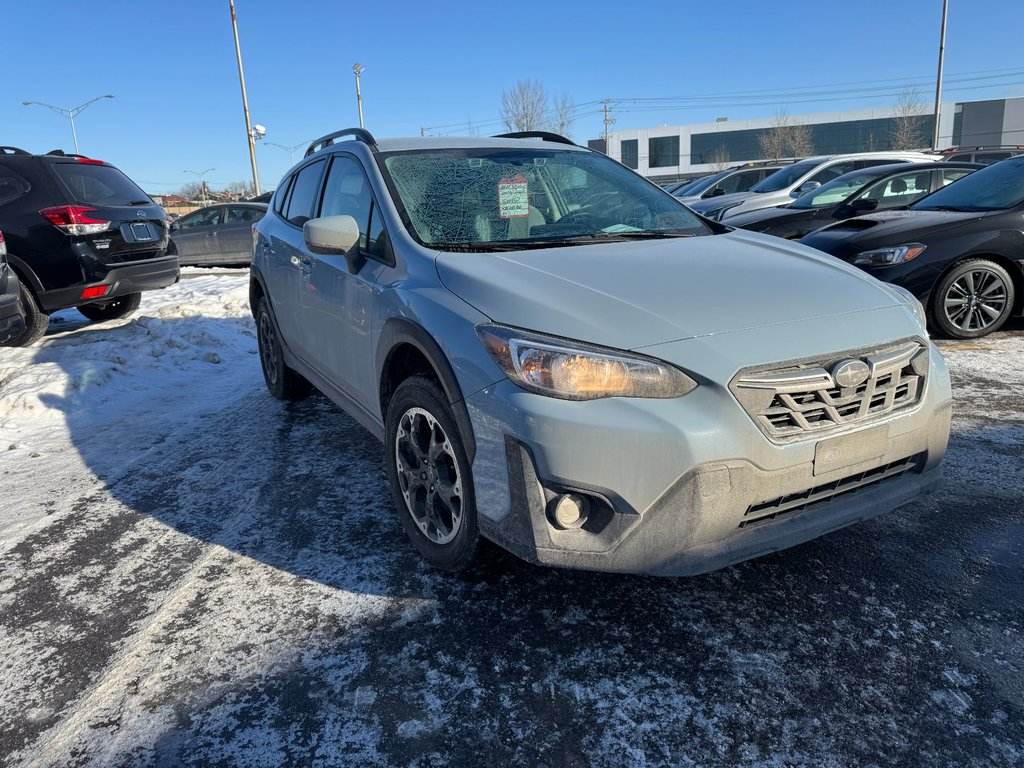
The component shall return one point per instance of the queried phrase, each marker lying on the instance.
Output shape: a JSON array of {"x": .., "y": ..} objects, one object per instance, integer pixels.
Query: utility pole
[
  {"x": 357, "y": 70},
  {"x": 423, "y": 131},
  {"x": 245, "y": 102},
  {"x": 202, "y": 183},
  {"x": 609, "y": 121},
  {"x": 938, "y": 79}
]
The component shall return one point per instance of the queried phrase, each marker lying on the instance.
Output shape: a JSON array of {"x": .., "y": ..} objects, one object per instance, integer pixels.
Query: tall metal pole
[
  {"x": 245, "y": 101},
  {"x": 357, "y": 69},
  {"x": 938, "y": 79},
  {"x": 74, "y": 133}
]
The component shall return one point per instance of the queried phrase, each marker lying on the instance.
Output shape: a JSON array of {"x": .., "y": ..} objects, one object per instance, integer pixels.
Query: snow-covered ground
[{"x": 194, "y": 573}]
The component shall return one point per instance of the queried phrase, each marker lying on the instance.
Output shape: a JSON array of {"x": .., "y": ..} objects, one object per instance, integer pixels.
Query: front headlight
[
  {"x": 574, "y": 371},
  {"x": 912, "y": 301},
  {"x": 886, "y": 257}
]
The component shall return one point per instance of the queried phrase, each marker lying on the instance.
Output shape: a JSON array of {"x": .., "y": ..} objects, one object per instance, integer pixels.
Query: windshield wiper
[
  {"x": 140, "y": 202},
  {"x": 953, "y": 208}
]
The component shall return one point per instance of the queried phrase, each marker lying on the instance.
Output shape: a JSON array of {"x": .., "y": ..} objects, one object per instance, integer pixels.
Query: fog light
[{"x": 569, "y": 511}]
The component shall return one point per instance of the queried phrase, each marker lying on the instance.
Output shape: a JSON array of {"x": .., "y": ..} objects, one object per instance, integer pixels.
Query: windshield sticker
[{"x": 513, "y": 198}]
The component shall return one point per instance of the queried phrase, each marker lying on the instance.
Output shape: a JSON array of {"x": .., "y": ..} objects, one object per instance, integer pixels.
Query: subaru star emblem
[
  {"x": 851, "y": 373},
  {"x": 140, "y": 214}
]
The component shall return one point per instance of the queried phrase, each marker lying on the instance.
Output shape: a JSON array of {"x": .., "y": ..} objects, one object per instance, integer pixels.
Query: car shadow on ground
[{"x": 877, "y": 644}]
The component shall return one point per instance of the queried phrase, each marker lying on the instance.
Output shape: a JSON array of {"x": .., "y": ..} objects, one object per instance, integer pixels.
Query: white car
[{"x": 795, "y": 180}]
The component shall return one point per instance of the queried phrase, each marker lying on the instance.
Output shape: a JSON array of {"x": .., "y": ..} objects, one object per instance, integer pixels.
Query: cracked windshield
[{"x": 488, "y": 199}]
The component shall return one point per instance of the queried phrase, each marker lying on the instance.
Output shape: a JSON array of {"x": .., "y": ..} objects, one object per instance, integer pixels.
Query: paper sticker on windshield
[{"x": 513, "y": 198}]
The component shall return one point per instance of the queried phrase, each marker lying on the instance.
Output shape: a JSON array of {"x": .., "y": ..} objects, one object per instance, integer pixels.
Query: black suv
[{"x": 79, "y": 234}]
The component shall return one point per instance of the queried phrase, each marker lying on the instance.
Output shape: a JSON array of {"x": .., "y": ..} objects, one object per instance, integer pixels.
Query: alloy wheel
[
  {"x": 268, "y": 348},
  {"x": 975, "y": 300},
  {"x": 428, "y": 474}
]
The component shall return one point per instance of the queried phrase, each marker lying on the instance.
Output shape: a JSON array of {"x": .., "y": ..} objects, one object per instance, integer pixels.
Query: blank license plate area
[
  {"x": 848, "y": 450},
  {"x": 142, "y": 232}
]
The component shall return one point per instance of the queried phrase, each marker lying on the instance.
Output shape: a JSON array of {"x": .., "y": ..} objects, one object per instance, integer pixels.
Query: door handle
[{"x": 211, "y": 234}]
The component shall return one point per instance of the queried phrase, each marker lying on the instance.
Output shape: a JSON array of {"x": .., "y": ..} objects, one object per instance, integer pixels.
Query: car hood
[
  {"x": 885, "y": 229},
  {"x": 635, "y": 294},
  {"x": 712, "y": 203},
  {"x": 765, "y": 217}
]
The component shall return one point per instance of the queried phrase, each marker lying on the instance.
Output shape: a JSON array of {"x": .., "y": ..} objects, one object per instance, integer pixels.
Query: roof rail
[
  {"x": 62, "y": 153},
  {"x": 360, "y": 134},
  {"x": 545, "y": 135},
  {"x": 13, "y": 151}
]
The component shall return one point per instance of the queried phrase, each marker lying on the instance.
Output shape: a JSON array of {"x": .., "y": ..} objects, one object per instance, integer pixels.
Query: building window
[
  {"x": 663, "y": 152},
  {"x": 630, "y": 151}
]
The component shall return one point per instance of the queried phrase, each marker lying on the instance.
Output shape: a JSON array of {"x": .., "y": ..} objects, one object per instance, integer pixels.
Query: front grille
[
  {"x": 788, "y": 402},
  {"x": 822, "y": 494}
]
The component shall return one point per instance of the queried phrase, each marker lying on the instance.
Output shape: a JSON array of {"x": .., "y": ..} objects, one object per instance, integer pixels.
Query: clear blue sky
[{"x": 172, "y": 67}]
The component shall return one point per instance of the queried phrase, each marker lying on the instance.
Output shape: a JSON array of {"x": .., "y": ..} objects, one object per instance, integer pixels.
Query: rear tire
[
  {"x": 974, "y": 299},
  {"x": 112, "y": 309},
  {"x": 430, "y": 475},
  {"x": 36, "y": 321},
  {"x": 282, "y": 381}
]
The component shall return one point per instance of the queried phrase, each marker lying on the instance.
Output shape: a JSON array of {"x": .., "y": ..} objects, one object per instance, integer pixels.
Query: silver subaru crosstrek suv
[{"x": 563, "y": 359}]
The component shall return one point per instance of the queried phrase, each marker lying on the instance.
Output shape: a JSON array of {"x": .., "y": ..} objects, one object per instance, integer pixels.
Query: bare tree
[
  {"x": 564, "y": 114},
  {"x": 908, "y": 127},
  {"x": 871, "y": 144},
  {"x": 720, "y": 159},
  {"x": 525, "y": 107},
  {"x": 786, "y": 138},
  {"x": 799, "y": 140},
  {"x": 193, "y": 190},
  {"x": 239, "y": 190},
  {"x": 773, "y": 140}
]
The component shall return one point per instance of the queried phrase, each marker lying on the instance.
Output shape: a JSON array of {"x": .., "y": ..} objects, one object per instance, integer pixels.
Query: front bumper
[
  {"x": 678, "y": 484},
  {"x": 12, "y": 315},
  {"x": 130, "y": 278}
]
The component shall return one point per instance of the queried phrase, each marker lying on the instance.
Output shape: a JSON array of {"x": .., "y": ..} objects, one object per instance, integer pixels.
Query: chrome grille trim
[{"x": 794, "y": 401}]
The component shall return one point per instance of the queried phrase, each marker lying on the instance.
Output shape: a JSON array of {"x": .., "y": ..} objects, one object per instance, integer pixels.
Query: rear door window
[
  {"x": 12, "y": 185},
  {"x": 206, "y": 218},
  {"x": 240, "y": 214},
  {"x": 99, "y": 185},
  {"x": 303, "y": 194},
  {"x": 949, "y": 175},
  {"x": 991, "y": 157}
]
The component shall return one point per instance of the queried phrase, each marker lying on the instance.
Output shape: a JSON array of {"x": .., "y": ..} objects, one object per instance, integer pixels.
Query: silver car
[
  {"x": 560, "y": 357},
  {"x": 783, "y": 186}
]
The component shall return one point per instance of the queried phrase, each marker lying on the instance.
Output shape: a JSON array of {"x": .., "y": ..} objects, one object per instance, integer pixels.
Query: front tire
[
  {"x": 430, "y": 476},
  {"x": 282, "y": 381},
  {"x": 36, "y": 321},
  {"x": 974, "y": 299},
  {"x": 112, "y": 309}
]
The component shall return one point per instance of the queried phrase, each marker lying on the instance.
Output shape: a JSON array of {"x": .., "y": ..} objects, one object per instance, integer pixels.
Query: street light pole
[
  {"x": 202, "y": 182},
  {"x": 290, "y": 150},
  {"x": 938, "y": 79},
  {"x": 70, "y": 113},
  {"x": 245, "y": 102},
  {"x": 357, "y": 70}
]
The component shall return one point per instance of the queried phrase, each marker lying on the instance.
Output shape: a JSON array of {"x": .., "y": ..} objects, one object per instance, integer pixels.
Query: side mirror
[
  {"x": 334, "y": 235},
  {"x": 863, "y": 205},
  {"x": 173, "y": 226},
  {"x": 716, "y": 192},
  {"x": 803, "y": 189}
]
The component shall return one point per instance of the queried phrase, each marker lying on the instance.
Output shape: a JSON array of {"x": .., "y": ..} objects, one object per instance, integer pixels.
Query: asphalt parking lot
[{"x": 192, "y": 573}]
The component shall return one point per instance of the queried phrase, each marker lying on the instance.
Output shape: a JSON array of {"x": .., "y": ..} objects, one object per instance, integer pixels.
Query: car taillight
[
  {"x": 89, "y": 161},
  {"x": 95, "y": 291},
  {"x": 3, "y": 249},
  {"x": 73, "y": 220}
]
